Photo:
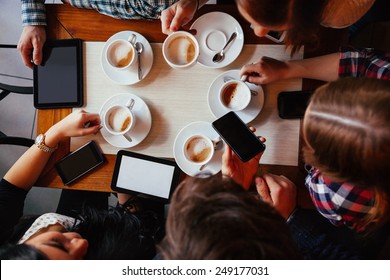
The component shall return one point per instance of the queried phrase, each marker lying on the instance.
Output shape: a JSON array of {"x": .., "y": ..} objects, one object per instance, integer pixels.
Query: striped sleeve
[
  {"x": 364, "y": 63},
  {"x": 126, "y": 9},
  {"x": 33, "y": 12}
]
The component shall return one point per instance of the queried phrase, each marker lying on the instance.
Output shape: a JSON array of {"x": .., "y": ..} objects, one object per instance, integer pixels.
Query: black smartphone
[
  {"x": 79, "y": 162},
  {"x": 293, "y": 104},
  {"x": 244, "y": 143}
]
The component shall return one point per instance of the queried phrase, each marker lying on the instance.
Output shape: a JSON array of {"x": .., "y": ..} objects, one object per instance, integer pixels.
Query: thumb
[{"x": 262, "y": 189}]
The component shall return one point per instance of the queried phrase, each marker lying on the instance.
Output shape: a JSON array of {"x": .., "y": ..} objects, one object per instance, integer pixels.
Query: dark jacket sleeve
[
  {"x": 11, "y": 208},
  {"x": 318, "y": 239}
]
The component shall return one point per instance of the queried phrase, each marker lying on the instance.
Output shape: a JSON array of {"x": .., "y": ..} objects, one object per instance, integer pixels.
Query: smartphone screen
[
  {"x": 238, "y": 136},
  {"x": 292, "y": 104},
  {"x": 79, "y": 162}
]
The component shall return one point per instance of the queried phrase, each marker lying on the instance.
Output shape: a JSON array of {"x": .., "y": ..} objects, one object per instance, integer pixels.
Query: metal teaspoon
[
  {"x": 140, "y": 48},
  {"x": 220, "y": 55}
]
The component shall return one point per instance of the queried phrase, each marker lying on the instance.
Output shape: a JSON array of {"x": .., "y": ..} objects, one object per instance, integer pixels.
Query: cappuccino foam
[
  {"x": 234, "y": 96},
  {"x": 198, "y": 149},
  {"x": 181, "y": 50},
  {"x": 119, "y": 119},
  {"x": 121, "y": 54}
]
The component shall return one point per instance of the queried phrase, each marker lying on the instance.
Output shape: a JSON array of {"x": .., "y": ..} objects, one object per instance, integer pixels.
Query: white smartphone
[{"x": 276, "y": 36}]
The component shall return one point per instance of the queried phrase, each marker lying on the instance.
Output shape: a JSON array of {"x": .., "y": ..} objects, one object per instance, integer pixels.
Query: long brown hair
[
  {"x": 347, "y": 134},
  {"x": 303, "y": 17}
]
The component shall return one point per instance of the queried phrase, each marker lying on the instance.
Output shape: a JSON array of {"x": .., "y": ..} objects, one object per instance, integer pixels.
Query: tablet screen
[
  {"x": 145, "y": 175},
  {"x": 58, "y": 81}
]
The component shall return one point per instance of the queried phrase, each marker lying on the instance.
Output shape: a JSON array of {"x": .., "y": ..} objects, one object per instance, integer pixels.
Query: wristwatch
[{"x": 40, "y": 143}]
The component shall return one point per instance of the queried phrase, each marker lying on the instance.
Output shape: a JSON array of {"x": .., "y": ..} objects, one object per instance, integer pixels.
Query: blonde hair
[{"x": 346, "y": 129}]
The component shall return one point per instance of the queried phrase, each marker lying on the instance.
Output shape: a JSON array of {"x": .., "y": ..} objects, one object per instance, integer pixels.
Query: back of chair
[
  {"x": 19, "y": 141},
  {"x": 7, "y": 89},
  {"x": 13, "y": 80}
]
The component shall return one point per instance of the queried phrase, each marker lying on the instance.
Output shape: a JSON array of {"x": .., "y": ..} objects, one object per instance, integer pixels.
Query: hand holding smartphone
[{"x": 244, "y": 143}]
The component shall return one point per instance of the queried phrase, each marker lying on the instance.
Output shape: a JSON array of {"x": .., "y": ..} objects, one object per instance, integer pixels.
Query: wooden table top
[{"x": 65, "y": 21}]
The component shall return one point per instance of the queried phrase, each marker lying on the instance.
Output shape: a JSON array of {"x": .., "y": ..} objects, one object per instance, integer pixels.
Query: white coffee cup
[
  {"x": 235, "y": 95},
  {"x": 121, "y": 54},
  {"x": 198, "y": 149},
  {"x": 119, "y": 119},
  {"x": 180, "y": 50}
]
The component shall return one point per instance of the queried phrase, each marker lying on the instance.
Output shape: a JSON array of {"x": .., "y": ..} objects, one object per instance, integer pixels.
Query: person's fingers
[
  {"x": 27, "y": 60},
  {"x": 26, "y": 54},
  {"x": 166, "y": 19},
  {"x": 178, "y": 20},
  {"x": 257, "y": 80},
  {"x": 94, "y": 118},
  {"x": 91, "y": 130},
  {"x": 262, "y": 189},
  {"x": 248, "y": 69},
  {"x": 37, "y": 52},
  {"x": 227, "y": 156}
]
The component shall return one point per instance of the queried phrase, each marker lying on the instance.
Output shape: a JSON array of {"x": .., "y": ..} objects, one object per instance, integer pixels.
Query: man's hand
[
  {"x": 279, "y": 191},
  {"x": 177, "y": 15},
  {"x": 241, "y": 172},
  {"x": 31, "y": 43}
]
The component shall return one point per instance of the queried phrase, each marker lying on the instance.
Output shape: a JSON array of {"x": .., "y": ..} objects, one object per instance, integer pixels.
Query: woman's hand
[
  {"x": 78, "y": 123},
  {"x": 241, "y": 172},
  {"x": 279, "y": 191},
  {"x": 267, "y": 70}
]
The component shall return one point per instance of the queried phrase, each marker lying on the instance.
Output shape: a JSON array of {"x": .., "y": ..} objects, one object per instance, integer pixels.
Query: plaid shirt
[
  {"x": 342, "y": 204},
  {"x": 364, "y": 63},
  {"x": 34, "y": 13}
]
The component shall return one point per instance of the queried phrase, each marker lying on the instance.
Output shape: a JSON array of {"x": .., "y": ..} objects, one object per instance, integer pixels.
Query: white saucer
[
  {"x": 213, "y": 31},
  {"x": 130, "y": 76},
  {"x": 218, "y": 110},
  {"x": 143, "y": 121},
  {"x": 205, "y": 128}
]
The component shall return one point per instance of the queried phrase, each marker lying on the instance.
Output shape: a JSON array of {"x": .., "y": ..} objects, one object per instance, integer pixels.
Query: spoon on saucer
[
  {"x": 140, "y": 48},
  {"x": 220, "y": 55}
]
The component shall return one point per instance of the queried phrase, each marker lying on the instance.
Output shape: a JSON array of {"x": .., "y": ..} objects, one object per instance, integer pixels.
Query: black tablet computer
[
  {"x": 58, "y": 81},
  {"x": 144, "y": 175}
]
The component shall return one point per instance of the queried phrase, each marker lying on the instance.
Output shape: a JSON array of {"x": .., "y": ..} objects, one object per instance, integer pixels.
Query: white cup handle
[
  {"x": 130, "y": 104},
  {"x": 128, "y": 137},
  {"x": 132, "y": 38}
]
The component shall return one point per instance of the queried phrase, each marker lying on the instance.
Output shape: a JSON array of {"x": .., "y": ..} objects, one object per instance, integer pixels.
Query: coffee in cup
[
  {"x": 235, "y": 95},
  {"x": 198, "y": 149},
  {"x": 181, "y": 50},
  {"x": 119, "y": 119},
  {"x": 120, "y": 53}
]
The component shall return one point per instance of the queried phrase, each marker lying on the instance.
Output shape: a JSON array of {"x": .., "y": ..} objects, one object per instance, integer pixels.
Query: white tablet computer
[{"x": 145, "y": 175}]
